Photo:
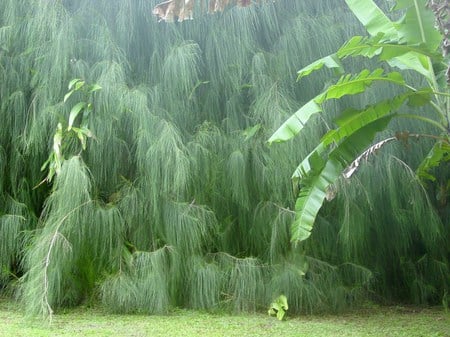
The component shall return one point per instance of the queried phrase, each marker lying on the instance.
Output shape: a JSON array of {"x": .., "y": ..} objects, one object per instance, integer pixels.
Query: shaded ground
[{"x": 385, "y": 322}]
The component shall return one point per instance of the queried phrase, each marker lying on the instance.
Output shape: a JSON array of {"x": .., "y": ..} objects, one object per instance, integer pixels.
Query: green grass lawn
[{"x": 386, "y": 322}]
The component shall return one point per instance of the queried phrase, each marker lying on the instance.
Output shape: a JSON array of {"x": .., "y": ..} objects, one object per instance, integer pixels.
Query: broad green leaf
[
  {"x": 312, "y": 160},
  {"x": 402, "y": 4},
  {"x": 418, "y": 24},
  {"x": 438, "y": 154},
  {"x": 94, "y": 88},
  {"x": 371, "y": 46},
  {"x": 391, "y": 51},
  {"x": 87, "y": 132},
  {"x": 66, "y": 96},
  {"x": 79, "y": 85},
  {"x": 314, "y": 192},
  {"x": 282, "y": 300},
  {"x": 279, "y": 307},
  {"x": 358, "y": 119},
  {"x": 346, "y": 85},
  {"x": 330, "y": 61},
  {"x": 351, "y": 120},
  {"x": 352, "y": 146},
  {"x": 413, "y": 61},
  {"x": 276, "y": 306},
  {"x": 73, "y": 82},
  {"x": 311, "y": 198},
  {"x": 361, "y": 46},
  {"x": 280, "y": 314},
  {"x": 420, "y": 98},
  {"x": 382, "y": 112},
  {"x": 417, "y": 27},
  {"x": 82, "y": 134},
  {"x": 74, "y": 113},
  {"x": 296, "y": 122},
  {"x": 355, "y": 84},
  {"x": 415, "y": 32},
  {"x": 373, "y": 18}
]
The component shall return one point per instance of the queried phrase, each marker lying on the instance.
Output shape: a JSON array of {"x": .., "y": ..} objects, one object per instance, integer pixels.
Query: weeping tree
[{"x": 136, "y": 173}]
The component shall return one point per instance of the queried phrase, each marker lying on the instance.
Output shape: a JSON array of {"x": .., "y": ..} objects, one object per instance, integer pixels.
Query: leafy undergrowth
[{"x": 386, "y": 322}]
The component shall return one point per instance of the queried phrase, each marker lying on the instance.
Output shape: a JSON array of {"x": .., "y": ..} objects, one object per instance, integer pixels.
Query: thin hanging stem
[{"x": 48, "y": 256}]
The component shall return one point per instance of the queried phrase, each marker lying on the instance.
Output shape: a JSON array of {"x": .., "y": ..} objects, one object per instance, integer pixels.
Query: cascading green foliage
[
  {"x": 206, "y": 283},
  {"x": 15, "y": 221},
  {"x": 142, "y": 285},
  {"x": 175, "y": 199}
]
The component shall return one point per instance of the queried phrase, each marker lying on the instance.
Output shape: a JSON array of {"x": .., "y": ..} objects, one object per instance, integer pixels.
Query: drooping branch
[
  {"x": 399, "y": 136},
  {"x": 353, "y": 167}
]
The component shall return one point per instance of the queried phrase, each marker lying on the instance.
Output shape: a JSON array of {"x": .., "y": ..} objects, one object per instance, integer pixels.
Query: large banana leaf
[
  {"x": 352, "y": 120},
  {"x": 358, "y": 119},
  {"x": 347, "y": 85},
  {"x": 310, "y": 162},
  {"x": 373, "y": 18},
  {"x": 399, "y": 55},
  {"x": 372, "y": 46},
  {"x": 414, "y": 61},
  {"x": 349, "y": 123},
  {"x": 313, "y": 194},
  {"x": 310, "y": 200},
  {"x": 356, "y": 130},
  {"x": 331, "y": 62},
  {"x": 296, "y": 122},
  {"x": 355, "y": 84},
  {"x": 402, "y": 45},
  {"x": 415, "y": 28}
]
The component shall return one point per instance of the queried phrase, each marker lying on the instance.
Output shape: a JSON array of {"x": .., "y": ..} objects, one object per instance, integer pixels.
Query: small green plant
[
  {"x": 279, "y": 307},
  {"x": 73, "y": 128}
]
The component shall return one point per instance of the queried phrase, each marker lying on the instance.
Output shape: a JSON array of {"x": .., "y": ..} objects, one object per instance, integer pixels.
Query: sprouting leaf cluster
[{"x": 66, "y": 130}]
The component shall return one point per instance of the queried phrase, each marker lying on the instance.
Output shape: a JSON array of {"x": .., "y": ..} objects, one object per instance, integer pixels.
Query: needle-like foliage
[{"x": 176, "y": 200}]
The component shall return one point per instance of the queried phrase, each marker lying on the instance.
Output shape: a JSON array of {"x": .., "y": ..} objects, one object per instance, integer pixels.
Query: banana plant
[{"x": 411, "y": 43}]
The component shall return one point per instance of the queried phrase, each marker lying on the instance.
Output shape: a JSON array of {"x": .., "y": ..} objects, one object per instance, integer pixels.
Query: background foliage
[{"x": 177, "y": 200}]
